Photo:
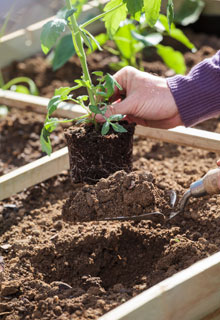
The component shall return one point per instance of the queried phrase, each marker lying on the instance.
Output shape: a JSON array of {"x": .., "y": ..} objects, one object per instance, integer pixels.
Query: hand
[
  {"x": 148, "y": 100},
  {"x": 218, "y": 162}
]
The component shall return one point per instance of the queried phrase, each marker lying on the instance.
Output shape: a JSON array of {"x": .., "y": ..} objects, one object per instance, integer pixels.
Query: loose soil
[{"x": 59, "y": 269}]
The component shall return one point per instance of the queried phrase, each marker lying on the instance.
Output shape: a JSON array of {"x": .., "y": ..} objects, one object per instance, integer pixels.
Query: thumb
[{"x": 123, "y": 107}]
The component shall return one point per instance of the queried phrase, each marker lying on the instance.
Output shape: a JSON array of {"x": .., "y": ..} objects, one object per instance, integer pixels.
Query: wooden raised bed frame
[{"x": 192, "y": 294}]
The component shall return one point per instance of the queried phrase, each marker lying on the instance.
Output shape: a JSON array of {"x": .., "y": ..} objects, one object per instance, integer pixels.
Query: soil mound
[{"x": 121, "y": 194}]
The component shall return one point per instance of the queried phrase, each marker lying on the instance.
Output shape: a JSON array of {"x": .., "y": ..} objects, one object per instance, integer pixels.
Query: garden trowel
[{"x": 207, "y": 185}]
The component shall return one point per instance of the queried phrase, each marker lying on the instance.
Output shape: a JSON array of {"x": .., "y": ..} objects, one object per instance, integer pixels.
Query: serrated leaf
[
  {"x": 63, "y": 92},
  {"x": 51, "y": 32},
  {"x": 63, "y": 52},
  {"x": 173, "y": 59},
  {"x": 95, "y": 109},
  {"x": 98, "y": 73},
  {"x": 149, "y": 40},
  {"x": 45, "y": 141},
  {"x": 105, "y": 128},
  {"x": 53, "y": 104},
  {"x": 51, "y": 124},
  {"x": 112, "y": 20},
  {"x": 116, "y": 117},
  {"x": 110, "y": 84},
  {"x": 83, "y": 83},
  {"x": 118, "y": 128},
  {"x": 170, "y": 12},
  {"x": 69, "y": 13},
  {"x": 134, "y": 6},
  {"x": 152, "y": 11},
  {"x": 189, "y": 12}
]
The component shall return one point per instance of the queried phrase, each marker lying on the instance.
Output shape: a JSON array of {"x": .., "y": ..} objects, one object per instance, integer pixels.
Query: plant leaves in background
[
  {"x": 112, "y": 20},
  {"x": 134, "y": 6},
  {"x": 173, "y": 59},
  {"x": 149, "y": 40},
  {"x": 189, "y": 12},
  {"x": 20, "y": 88},
  {"x": 170, "y": 12},
  {"x": 152, "y": 11},
  {"x": 51, "y": 32},
  {"x": 176, "y": 33},
  {"x": 124, "y": 40}
]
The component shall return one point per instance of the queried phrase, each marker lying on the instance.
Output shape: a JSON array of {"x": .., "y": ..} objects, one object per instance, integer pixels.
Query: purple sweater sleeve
[{"x": 197, "y": 95}]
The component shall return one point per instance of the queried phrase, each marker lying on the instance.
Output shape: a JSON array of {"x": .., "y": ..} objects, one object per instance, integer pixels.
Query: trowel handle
[
  {"x": 209, "y": 184},
  {"x": 211, "y": 181}
]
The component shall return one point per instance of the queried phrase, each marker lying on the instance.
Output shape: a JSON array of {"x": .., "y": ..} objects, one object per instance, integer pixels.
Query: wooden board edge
[
  {"x": 180, "y": 135},
  {"x": 191, "y": 294},
  {"x": 33, "y": 173}
]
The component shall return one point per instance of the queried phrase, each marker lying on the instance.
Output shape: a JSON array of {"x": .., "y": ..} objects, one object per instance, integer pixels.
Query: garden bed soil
[{"x": 59, "y": 269}]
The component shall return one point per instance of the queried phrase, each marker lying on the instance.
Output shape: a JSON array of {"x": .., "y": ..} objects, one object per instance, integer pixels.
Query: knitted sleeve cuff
[{"x": 197, "y": 95}]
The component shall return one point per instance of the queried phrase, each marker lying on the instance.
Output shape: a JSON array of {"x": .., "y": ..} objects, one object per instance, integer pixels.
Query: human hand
[{"x": 148, "y": 100}]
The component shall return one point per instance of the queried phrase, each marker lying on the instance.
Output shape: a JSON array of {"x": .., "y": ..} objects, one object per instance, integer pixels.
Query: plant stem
[
  {"x": 85, "y": 24},
  {"x": 32, "y": 86},
  {"x": 78, "y": 44}
]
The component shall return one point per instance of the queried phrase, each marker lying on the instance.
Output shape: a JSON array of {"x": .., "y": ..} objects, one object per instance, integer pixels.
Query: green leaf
[
  {"x": 84, "y": 83},
  {"x": 63, "y": 92},
  {"x": 95, "y": 109},
  {"x": 69, "y": 13},
  {"x": 112, "y": 20},
  {"x": 45, "y": 141},
  {"x": 149, "y": 40},
  {"x": 51, "y": 124},
  {"x": 83, "y": 98},
  {"x": 51, "y": 32},
  {"x": 152, "y": 11},
  {"x": 98, "y": 73},
  {"x": 110, "y": 84},
  {"x": 134, "y": 6},
  {"x": 176, "y": 33},
  {"x": 124, "y": 40},
  {"x": 63, "y": 52},
  {"x": 100, "y": 39},
  {"x": 53, "y": 104},
  {"x": 116, "y": 117},
  {"x": 20, "y": 88},
  {"x": 189, "y": 12},
  {"x": 105, "y": 128},
  {"x": 118, "y": 128},
  {"x": 170, "y": 12},
  {"x": 173, "y": 59}
]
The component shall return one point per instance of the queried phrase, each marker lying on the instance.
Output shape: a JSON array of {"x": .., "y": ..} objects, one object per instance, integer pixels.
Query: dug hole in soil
[{"x": 57, "y": 268}]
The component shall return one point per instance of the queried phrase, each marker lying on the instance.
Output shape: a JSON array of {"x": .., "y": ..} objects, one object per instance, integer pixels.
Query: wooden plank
[
  {"x": 191, "y": 294},
  {"x": 180, "y": 135},
  {"x": 33, "y": 173},
  {"x": 191, "y": 137},
  {"x": 38, "y": 104}
]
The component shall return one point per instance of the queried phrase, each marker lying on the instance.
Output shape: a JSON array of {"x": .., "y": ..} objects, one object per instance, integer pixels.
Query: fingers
[
  {"x": 123, "y": 107},
  {"x": 218, "y": 162}
]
